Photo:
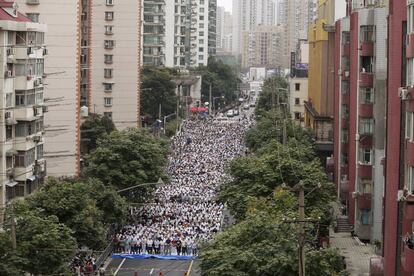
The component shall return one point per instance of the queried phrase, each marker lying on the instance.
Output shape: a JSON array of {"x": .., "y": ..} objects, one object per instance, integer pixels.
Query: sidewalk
[{"x": 357, "y": 256}]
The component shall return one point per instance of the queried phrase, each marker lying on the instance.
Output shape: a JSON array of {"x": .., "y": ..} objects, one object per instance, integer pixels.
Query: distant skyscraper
[
  {"x": 224, "y": 30},
  {"x": 248, "y": 14}
]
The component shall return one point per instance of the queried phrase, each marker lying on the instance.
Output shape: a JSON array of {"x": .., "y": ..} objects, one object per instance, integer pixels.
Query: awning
[
  {"x": 31, "y": 178},
  {"x": 11, "y": 183},
  {"x": 11, "y": 152}
]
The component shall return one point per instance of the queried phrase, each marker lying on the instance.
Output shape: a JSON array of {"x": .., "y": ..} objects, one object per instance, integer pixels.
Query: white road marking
[
  {"x": 152, "y": 270},
  {"x": 119, "y": 267}
]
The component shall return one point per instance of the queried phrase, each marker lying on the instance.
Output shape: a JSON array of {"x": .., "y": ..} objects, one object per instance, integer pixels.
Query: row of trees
[
  {"x": 43, "y": 232},
  {"x": 262, "y": 198},
  {"x": 159, "y": 87}
]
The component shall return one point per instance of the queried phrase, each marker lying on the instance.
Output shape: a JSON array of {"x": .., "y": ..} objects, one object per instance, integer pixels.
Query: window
[
  {"x": 201, "y": 41},
  {"x": 201, "y": 33},
  {"x": 201, "y": 49},
  {"x": 365, "y": 186},
  {"x": 297, "y": 86},
  {"x": 108, "y": 102},
  {"x": 200, "y": 57},
  {"x": 367, "y": 33},
  {"x": 201, "y": 10},
  {"x": 108, "y": 87},
  {"x": 109, "y": 16},
  {"x": 109, "y": 2},
  {"x": 201, "y": 25},
  {"x": 9, "y": 132},
  {"x": 297, "y": 101},
  {"x": 365, "y": 156},
  {"x": 297, "y": 116},
  {"x": 409, "y": 133},
  {"x": 9, "y": 99},
  {"x": 33, "y": 16},
  {"x": 344, "y": 159},
  {"x": 344, "y": 136},
  {"x": 410, "y": 179},
  {"x": 365, "y": 215},
  {"x": 108, "y": 115},
  {"x": 25, "y": 97},
  {"x": 109, "y": 30},
  {"x": 201, "y": 17},
  {"x": 24, "y": 158},
  {"x": 108, "y": 73},
  {"x": 346, "y": 37},
  {"x": 366, "y": 126},
  {"x": 109, "y": 59},
  {"x": 109, "y": 44},
  {"x": 32, "y": 2},
  {"x": 39, "y": 152}
]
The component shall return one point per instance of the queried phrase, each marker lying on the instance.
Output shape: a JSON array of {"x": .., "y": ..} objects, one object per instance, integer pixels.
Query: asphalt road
[{"x": 151, "y": 267}]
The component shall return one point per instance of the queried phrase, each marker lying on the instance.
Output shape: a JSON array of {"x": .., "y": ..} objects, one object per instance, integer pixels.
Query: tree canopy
[
  {"x": 44, "y": 246},
  {"x": 127, "y": 158},
  {"x": 94, "y": 127},
  {"x": 157, "y": 89},
  {"x": 273, "y": 92}
]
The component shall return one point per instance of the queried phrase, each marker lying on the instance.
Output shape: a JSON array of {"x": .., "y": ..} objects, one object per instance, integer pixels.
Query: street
[{"x": 126, "y": 267}]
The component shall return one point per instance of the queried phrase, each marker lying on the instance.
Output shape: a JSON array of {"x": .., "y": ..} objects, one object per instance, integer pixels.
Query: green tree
[
  {"x": 44, "y": 246},
  {"x": 273, "y": 92},
  {"x": 94, "y": 127},
  {"x": 264, "y": 244},
  {"x": 157, "y": 89},
  {"x": 85, "y": 207},
  {"x": 127, "y": 158}
]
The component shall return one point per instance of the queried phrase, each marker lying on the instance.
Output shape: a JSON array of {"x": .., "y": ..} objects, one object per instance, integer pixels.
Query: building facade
[
  {"x": 63, "y": 78},
  {"x": 153, "y": 33},
  {"x": 248, "y": 14},
  {"x": 262, "y": 47},
  {"x": 115, "y": 57},
  {"x": 22, "y": 163},
  {"x": 360, "y": 106},
  {"x": 224, "y": 30},
  {"x": 190, "y": 27}
]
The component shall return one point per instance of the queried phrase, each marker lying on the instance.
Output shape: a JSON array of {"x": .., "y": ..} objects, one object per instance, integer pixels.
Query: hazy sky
[{"x": 225, "y": 3}]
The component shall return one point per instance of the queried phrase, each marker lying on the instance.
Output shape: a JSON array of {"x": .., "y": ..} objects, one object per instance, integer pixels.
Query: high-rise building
[
  {"x": 262, "y": 47},
  {"x": 360, "y": 105},
  {"x": 154, "y": 33},
  {"x": 116, "y": 51},
  {"x": 63, "y": 78},
  {"x": 190, "y": 27},
  {"x": 220, "y": 26},
  {"x": 224, "y": 30},
  {"x": 248, "y": 14},
  {"x": 22, "y": 165}
]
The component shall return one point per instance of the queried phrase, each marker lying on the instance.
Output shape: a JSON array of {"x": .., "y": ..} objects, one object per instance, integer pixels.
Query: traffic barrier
[{"x": 151, "y": 256}]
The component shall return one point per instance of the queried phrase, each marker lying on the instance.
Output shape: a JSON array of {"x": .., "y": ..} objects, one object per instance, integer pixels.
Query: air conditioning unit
[
  {"x": 45, "y": 109},
  {"x": 347, "y": 74},
  {"x": 37, "y": 138},
  {"x": 8, "y": 74},
  {"x": 45, "y": 52},
  {"x": 10, "y": 52},
  {"x": 403, "y": 93}
]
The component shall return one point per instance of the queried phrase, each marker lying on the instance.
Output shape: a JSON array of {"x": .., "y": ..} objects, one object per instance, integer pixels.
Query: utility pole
[
  {"x": 13, "y": 229},
  {"x": 301, "y": 230},
  {"x": 210, "y": 98}
]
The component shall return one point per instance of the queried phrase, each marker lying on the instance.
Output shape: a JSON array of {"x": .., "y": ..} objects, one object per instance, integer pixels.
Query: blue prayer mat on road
[{"x": 150, "y": 256}]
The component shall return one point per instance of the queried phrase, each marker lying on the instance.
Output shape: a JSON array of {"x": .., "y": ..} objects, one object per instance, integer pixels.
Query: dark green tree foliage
[
  {"x": 127, "y": 158},
  {"x": 92, "y": 129},
  {"x": 222, "y": 78},
  {"x": 263, "y": 244},
  {"x": 85, "y": 207},
  {"x": 158, "y": 88},
  {"x": 44, "y": 246},
  {"x": 273, "y": 93}
]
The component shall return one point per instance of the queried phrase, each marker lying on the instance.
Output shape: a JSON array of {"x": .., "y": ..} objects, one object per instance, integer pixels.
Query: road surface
[{"x": 126, "y": 267}]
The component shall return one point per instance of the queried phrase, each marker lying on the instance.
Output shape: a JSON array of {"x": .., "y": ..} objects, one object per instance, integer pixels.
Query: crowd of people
[{"x": 186, "y": 212}]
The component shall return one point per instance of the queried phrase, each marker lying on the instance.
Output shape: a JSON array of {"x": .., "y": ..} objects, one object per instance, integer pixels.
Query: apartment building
[
  {"x": 262, "y": 47},
  {"x": 115, "y": 57},
  {"x": 154, "y": 33},
  {"x": 190, "y": 27},
  {"x": 22, "y": 165},
  {"x": 248, "y": 14},
  {"x": 361, "y": 42},
  {"x": 63, "y": 78}
]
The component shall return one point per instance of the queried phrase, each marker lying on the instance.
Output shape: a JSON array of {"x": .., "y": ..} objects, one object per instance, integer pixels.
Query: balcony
[
  {"x": 367, "y": 49},
  {"x": 344, "y": 186},
  {"x": 365, "y": 171},
  {"x": 366, "y": 79},
  {"x": 364, "y": 201},
  {"x": 407, "y": 257},
  {"x": 366, "y": 110},
  {"x": 346, "y": 49},
  {"x": 344, "y": 123},
  {"x": 330, "y": 165}
]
